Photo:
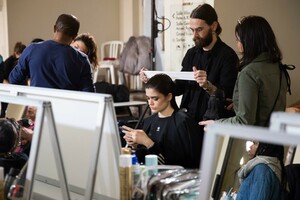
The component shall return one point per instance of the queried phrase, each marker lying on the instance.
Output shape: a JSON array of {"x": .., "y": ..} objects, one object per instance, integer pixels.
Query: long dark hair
[
  {"x": 91, "y": 45},
  {"x": 207, "y": 13},
  {"x": 257, "y": 36},
  {"x": 163, "y": 84},
  {"x": 19, "y": 47},
  {"x": 272, "y": 150},
  {"x": 8, "y": 134}
]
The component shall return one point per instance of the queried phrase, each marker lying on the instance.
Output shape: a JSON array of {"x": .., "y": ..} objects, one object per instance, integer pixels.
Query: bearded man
[{"x": 214, "y": 64}]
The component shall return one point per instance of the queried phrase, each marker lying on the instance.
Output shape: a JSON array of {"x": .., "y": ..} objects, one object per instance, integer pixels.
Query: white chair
[
  {"x": 111, "y": 49},
  {"x": 110, "y": 53}
]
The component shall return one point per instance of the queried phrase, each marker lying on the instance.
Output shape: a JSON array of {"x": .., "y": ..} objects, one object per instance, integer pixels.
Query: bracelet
[{"x": 209, "y": 86}]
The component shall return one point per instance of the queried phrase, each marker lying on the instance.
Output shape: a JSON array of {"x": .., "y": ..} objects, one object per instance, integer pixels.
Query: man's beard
[{"x": 204, "y": 42}]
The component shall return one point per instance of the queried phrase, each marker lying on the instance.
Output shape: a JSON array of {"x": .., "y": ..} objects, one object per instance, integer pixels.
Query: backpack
[
  {"x": 216, "y": 107},
  {"x": 120, "y": 93}
]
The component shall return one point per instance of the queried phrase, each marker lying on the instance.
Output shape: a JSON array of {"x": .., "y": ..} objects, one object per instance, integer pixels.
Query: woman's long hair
[
  {"x": 9, "y": 130},
  {"x": 91, "y": 45},
  {"x": 257, "y": 36}
]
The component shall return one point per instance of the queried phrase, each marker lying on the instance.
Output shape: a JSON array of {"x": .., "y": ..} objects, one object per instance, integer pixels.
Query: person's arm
[
  {"x": 247, "y": 101},
  {"x": 292, "y": 109},
  {"x": 28, "y": 82},
  {"x": 7, "y": 68},
  {"x": 264, "y": 184},
  {"x": 86, "y": 81},
  {"x": 26, "y": 134},
  {"x": 228, "y": 74},
  {"x": 143, "y": 76},
  {"x": 136, "y": 136},
  {"x": 19, "y": 74},
  {"x": 201, "y": 78}
]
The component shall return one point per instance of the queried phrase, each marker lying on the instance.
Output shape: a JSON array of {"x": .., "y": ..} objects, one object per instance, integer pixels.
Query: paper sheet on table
[{"x": 174, "y": 75}]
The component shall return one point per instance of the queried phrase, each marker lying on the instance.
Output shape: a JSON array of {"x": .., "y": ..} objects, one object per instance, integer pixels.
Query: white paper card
[{"x": 172, "y": 74}]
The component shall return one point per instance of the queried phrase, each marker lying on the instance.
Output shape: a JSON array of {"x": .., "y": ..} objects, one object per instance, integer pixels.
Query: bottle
[
  {"x": 17, "y": 188},
  {"x": 135, "y": 171},
  {"x": 1, "y": 183},
  {"x": 125, "y": 150},
  {"x": 224, "y": 194},
  {"x": 9, "y": 179},
  {"x": 125, "y": 163},
  {"x": 151, "y": 161}
]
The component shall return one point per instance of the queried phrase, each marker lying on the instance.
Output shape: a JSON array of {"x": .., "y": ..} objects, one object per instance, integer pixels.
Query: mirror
[
  {"x": 79, "y": 145},
  {"x": 22, "y": 115},
  {"x": 216, "y": 132},
  {"x": 238, "y": 153}
]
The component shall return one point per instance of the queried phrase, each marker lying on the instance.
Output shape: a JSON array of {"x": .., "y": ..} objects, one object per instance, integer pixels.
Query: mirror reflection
[
  {"x": 16, "y": 131},
  {"x": 252, "y": 164}
]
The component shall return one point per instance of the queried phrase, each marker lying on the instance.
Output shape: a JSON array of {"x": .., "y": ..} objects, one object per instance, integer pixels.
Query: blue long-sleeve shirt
[{"x": 53, "y": 65}]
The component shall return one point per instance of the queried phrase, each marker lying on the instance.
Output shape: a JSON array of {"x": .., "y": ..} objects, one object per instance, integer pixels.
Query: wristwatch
[{"x": 209, "y": 86}]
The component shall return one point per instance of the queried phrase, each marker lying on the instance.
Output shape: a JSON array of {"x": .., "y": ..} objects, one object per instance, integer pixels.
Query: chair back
[{"x": 111, "y": 49}]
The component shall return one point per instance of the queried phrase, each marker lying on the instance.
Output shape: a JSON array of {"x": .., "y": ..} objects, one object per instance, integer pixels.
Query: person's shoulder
[
  {"x": 259, "y": 67},
  {"x": 149, "y": 120},
  {"x": 11, "y": 58},
  {"x": 249, "y": 71},
  {"x": 261, "y": 170},
  {"x": 224, "y": 48},
  {"x": 79, "y": 54},
  {"x": 36, "y": 47},
  {"x": 43, "y": 43},
  {"x": 181, "y": 113},
  {"x": 192, "y": 50},
  {"x": 151, "y": 117},
  {"x": 182, "y": 116}
]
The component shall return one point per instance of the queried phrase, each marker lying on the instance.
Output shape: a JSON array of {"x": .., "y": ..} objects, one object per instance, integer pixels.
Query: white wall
[
  {"x": 284, "y": 18},
  {"x": 33, "y": 18},
  {"x": 178, "y": 38},
  {"x": 3, "y": 28},
  {"x": 106, "y": 20}
]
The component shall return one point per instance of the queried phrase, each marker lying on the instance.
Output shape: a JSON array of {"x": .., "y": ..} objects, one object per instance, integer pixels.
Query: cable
[{"x": 161, "y": 18}]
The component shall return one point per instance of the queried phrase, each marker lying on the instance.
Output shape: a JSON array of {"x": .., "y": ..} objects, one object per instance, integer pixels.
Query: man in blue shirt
[{"x": 54, "y": 63}]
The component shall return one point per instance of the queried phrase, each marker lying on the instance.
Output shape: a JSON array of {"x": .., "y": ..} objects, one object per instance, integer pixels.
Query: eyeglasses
[{"x": 241, "y": 19}]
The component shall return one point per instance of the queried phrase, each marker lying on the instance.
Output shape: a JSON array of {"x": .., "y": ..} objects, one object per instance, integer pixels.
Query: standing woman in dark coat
[{"x": 169, "y": 133}]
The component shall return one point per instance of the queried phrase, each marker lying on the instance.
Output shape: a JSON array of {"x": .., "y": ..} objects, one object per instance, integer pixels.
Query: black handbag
[{"x": 216, "y": 106}]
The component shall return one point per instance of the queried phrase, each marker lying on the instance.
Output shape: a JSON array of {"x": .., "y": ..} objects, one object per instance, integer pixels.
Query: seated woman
[
  {"x": 169, "y": 133},
  {"x": 9, "y": 139},
  {"x": 86, "y": 44},
  {"x": 263, "y": 177}
]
